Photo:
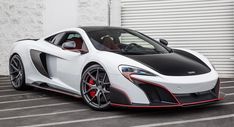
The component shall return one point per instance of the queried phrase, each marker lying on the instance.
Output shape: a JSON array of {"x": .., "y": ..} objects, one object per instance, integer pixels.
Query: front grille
[
  {"x": 159, "y": 95},
  {"x": 196, "y": 97},
  {"x": 156, "y": 94}
]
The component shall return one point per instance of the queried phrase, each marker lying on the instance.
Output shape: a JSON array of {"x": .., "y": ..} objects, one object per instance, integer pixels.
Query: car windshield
[{"x": 125, "y": 41}]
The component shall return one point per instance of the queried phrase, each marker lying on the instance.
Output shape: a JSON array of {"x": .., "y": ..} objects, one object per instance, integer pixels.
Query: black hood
[{"x": 178, "y": 63}]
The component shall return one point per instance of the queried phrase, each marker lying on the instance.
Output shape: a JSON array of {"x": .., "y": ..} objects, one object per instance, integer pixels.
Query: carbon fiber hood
[{"x": 178, "y": 63}]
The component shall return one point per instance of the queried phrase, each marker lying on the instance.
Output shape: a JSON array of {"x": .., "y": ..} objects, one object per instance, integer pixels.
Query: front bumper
[
  {"x": 168, "y": 105},
  {"x": 161, "y": 97}
]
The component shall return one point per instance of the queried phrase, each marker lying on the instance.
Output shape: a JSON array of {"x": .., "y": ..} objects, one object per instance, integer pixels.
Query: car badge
[{"x": 191, "y": 72}]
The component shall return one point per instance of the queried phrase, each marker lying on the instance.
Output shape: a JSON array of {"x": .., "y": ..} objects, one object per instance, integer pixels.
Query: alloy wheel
[
  {"x": 16, "y": 72},
  {"x": 95, "y": 87}
]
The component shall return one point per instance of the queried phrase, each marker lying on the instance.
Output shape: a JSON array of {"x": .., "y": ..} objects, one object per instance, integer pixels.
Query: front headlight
[{"x": 127, "y": 71}]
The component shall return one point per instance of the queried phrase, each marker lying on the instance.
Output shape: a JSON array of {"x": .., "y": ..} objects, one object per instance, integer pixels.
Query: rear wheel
[
  {"x": 17, "y": 74},
  {"x": 95, "y": 88}
]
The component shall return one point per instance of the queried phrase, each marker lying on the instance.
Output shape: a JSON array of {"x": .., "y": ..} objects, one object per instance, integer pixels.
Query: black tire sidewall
[
  {"x": 22, "y": 86},
  {"x": 81, "y": 87}
]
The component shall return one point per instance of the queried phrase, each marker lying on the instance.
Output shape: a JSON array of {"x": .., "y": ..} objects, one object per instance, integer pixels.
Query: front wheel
[{"x": 95, "y": 88}]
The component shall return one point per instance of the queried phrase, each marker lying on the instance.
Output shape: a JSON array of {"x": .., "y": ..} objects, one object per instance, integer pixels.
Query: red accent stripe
[
  {"x": 147, "y": 106},
  {"x": 200, "y": 102},
  {"x": 166, "y": 106}
]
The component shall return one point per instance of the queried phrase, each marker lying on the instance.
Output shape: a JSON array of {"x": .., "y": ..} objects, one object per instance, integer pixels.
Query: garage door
[{"x": 206, "y": 26}]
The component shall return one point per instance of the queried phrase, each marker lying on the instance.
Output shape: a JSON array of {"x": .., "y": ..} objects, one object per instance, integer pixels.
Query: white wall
[
  {"x": 93, "y": 12},
  {"x": 18, "y": 19},
  {"x": 35, "y": 18},
  {"x": 115, "y": 13},
  {"x": 59, "y": 14}
]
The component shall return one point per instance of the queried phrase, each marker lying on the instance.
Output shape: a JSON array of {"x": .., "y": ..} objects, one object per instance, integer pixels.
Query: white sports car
[{"x": 111, "y": 66}]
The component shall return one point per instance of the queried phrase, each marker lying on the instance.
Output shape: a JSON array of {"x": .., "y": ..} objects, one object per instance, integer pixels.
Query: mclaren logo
[{"x": 191, "y": 72}]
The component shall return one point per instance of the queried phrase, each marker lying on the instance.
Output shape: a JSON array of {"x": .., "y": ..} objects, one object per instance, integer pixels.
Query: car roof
[{"x": 96, "y": 28}]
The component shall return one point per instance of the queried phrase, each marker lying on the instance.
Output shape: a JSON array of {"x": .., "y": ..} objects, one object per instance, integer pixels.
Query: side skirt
[{"x": 44, "y": 86}]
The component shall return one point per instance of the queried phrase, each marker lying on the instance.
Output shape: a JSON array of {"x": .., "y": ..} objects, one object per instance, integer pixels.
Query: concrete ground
[{"x": 39, "y": 108}]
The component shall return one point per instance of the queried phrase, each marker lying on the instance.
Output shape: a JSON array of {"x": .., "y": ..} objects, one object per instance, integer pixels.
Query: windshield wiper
[{"x": 157, "y": 51}]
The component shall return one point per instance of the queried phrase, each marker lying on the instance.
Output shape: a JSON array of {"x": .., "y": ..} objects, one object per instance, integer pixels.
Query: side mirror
[
  {"x": 163, "y": 41},
  {"x": 69, "y": 45}
]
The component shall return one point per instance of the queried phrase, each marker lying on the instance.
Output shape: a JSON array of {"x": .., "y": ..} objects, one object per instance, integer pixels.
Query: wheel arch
[
  {"x": 15, "y": 53},
  {"x": 88, "y": 65},
  {"x": 93, "y": 63}
]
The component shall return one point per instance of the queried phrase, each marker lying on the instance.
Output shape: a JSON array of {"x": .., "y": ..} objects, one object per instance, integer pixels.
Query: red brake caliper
[{"x": 92, "y": 92}]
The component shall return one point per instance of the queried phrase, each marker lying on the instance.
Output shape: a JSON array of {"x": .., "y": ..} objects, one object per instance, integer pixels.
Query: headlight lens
[{"x": 127, "y": 70}]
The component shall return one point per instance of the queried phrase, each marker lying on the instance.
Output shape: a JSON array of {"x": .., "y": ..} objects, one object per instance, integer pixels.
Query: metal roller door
[{"x": 206, "y": 26}]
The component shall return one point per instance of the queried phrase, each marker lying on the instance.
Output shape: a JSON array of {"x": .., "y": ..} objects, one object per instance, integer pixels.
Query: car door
[{"x": 64, "y": 66}]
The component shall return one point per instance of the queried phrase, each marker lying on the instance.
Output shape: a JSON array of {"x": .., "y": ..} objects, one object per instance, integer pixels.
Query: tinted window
[
  {"x": 49, "y": 39},
  {"x": 73, "y": 35},
  {"x": 56, "y": 40},
  {"x": 76, "y": 37}
]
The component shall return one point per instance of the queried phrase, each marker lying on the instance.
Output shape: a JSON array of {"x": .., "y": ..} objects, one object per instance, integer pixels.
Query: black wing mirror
[
  {"x": 69, "y": 45},
  {"x": 163, "y": 41}
]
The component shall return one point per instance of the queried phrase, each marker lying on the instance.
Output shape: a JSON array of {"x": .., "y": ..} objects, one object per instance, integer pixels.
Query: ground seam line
[
  {"x": 43, "y": 114},
  {"x": 187, "y": 121}
]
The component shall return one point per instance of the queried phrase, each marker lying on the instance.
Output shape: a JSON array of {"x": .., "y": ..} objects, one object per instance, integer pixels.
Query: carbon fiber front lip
[{"x": 168, "y": 106}]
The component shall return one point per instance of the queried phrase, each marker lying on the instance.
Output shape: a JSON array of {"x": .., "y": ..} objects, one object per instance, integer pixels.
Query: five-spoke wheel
[{"x": 95, "y": 88}]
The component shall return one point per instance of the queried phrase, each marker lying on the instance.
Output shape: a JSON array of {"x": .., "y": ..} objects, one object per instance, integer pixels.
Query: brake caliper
[{"x": 92, "y": 92}]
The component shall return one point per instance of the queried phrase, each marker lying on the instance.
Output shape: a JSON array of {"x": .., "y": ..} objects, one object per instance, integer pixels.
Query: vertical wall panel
[{"x": 201, "y": 25}]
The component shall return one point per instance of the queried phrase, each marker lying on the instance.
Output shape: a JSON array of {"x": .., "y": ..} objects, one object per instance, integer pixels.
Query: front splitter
[{"x": 192, "y": 104}]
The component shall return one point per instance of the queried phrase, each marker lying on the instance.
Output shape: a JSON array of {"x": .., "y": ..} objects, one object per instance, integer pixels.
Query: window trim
[
  {"x": 66, "y": 32},
  {"x": 54, "y": 35}
]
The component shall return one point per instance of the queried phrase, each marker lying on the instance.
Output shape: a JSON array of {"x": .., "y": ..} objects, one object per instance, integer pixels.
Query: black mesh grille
[
  {"x": 156, "y": 94},
  {"x": 195, "y": 97}
]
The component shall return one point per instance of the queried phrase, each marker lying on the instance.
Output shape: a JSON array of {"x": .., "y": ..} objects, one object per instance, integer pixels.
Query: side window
[
  {"x": 76, "y": 37},
  {"x": 57, "y": 39},
  {"x": 73, "y": 35},
  {"x": 49, "y": 39}
]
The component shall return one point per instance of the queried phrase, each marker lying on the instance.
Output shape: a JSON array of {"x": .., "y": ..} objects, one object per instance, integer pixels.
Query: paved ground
[{"x": 39, "y": 108}]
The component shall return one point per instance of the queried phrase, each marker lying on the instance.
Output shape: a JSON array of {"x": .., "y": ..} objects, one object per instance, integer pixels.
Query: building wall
[
  {"x": 21, "y": 19},
  {"x": 93, "y": 12},
  {"x": 18, "y": 19},
  {"x": 204, "y": 26},
  {"x": 63, "y": 14}
]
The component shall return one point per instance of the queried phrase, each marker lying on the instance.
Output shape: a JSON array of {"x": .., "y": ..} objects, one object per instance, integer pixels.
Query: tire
[
  {"x": 17, "y": 74},
  {"x": 95, "y": 88}
]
